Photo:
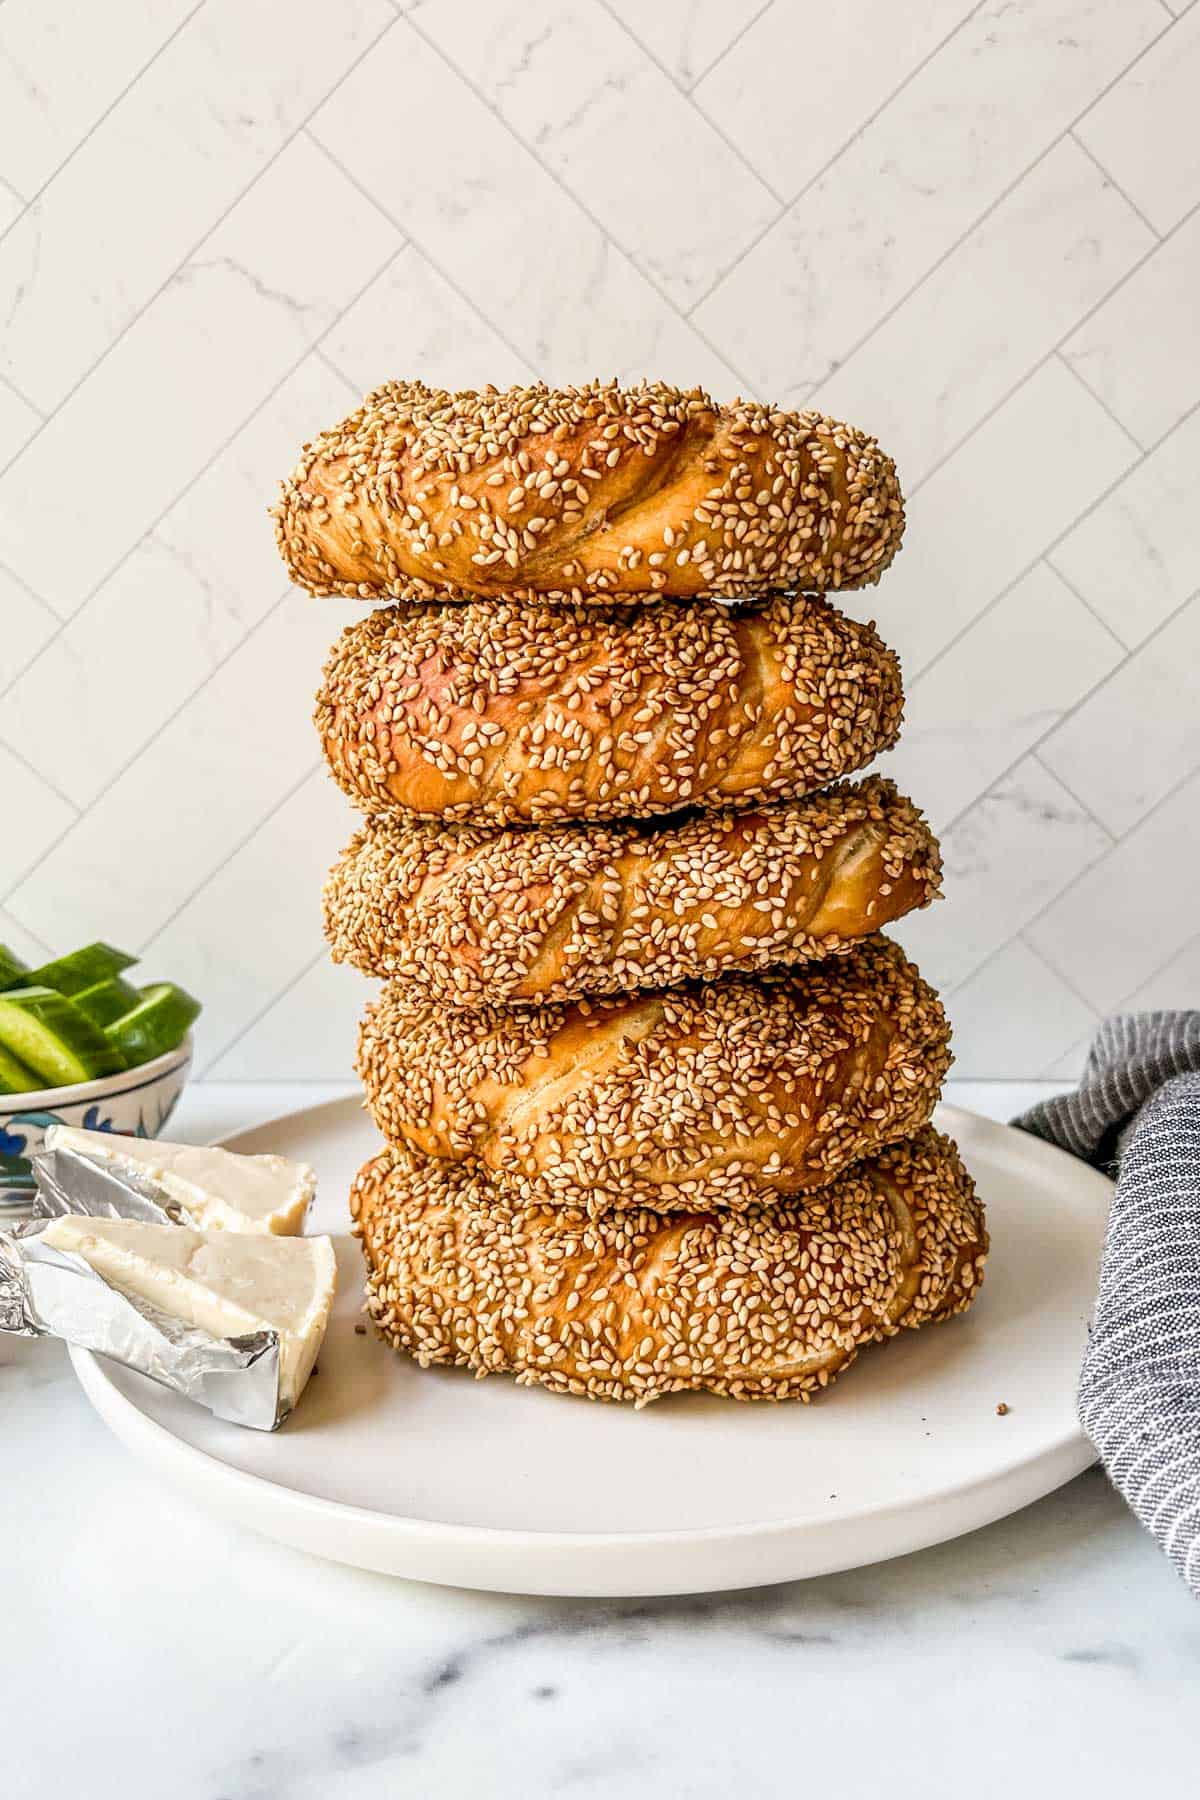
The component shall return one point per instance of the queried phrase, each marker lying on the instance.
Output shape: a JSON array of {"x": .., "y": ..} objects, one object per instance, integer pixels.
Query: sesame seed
[
  {"x": 473, "y": 916},
  {"x": 715, "y": 1095},
  {"x": 767, "y": 1304},
  {"x": 688, "y": 706},
  {"x": 763, "y": 499}
]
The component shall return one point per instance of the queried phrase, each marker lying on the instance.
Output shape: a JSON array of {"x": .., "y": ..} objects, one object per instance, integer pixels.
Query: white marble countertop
[{"x": 152, "y": 1650}]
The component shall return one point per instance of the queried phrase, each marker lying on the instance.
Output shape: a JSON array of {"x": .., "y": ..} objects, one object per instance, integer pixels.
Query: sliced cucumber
[
  {"x": 15, "y": 1077},
  {"x": 12, "y": 969},
  {"x": 107, "y": 1001},
  {"x": 80, "y": 970},
  {"x": 42, "y": 1028},
  {"x": 158, "y": 1023}
]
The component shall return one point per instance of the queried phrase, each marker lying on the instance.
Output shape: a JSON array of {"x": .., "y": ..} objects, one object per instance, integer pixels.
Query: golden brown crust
[
  {"x": 507, "y": 713},
  {"x": 476, "y": 918},
  {"x": 722, "y": 1095},
  {"x": 580, "y": 494},
  {"x": 763, "y": 1305}
]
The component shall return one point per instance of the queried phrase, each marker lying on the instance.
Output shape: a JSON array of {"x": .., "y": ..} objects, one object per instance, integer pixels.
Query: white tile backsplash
[
  {"x": 211, "y": 778},
  {"x": 496, "y": 223},
  {"x": 997, "y": 692},
  {"x": 688, "y": 36},
  {"x": 26, "y": 626},
  {"x": 1143, "y": 131},
  {"x": 219, "y": 225},
  {"x": 804, "y": 79},
  {"x": 228, "y": 327},
  {"x": 214, "y": 555},
  {"x": 1136, "y": 557},
  {"x": 62, "y": 66},
  {"x": 11, "y": 206},
  {"x": 1140, "y": 351},
  {"x": 14, "y": 935},
  {"x": 18, "y": 422},
  {"x": 1131, "y": 741},
  {"x": 1115, "y": 926},
  {"x": 983, "y": 519},
  {"x": 1053, "y": 248},
  {"x": 1017, "y": 1013},
  {"x": 916, "y": 180},
  {"x": 308, "y": 1034},
  {"x": 240, "y": 973},
  {"x": 570, "y": 80},
  {"x": 1006, "y": 858},
  {"x": 412, "y": 318},
  {"x": 34, "y": 816},
  {"x": 1173, "y": 987},
  {"x": 160, "y": 171}
]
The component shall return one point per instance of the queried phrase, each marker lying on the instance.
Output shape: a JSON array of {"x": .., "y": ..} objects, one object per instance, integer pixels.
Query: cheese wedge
[
  {"x": 217, "y": 1189},
  {"x": 226, "y": 1282}
]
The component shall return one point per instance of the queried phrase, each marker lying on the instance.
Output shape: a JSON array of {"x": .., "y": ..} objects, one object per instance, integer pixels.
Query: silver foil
[
  {"x": 44, "y": 1291},
  {"x": 70, "y": 1183}
]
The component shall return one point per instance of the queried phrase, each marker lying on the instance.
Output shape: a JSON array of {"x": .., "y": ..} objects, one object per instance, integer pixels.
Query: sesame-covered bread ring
[
  {"x": 578, "y": 494},
  {"x": 722, "y": 1095},
  {"x": 477, "y": 917},
  {"x": 506, "y": 713},
  {"x": 763, "y": 1305}
]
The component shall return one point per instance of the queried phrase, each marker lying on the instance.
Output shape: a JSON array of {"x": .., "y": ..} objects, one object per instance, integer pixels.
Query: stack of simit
[{"x": 655, "y": 1090}]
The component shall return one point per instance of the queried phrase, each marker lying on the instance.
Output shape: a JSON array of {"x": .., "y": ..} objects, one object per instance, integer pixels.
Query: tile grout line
[
  {"x": 579, "y": 205},
  {"x": 689, "y": 100},
  {"x": 146, "y": 744},
  {"x": 260, "y": 1015},
  {"x": 1066, "y": 981},
  {"x": 684, "y": 88},
  {"x": 1047, "y": 552},
  {"x": 20, "y": 581},
  {"x": 1175, "y": 789},
  {"x": 324, "y": 358},
  {"x": 190, "y": 483},
  {"x": 1187, "y": 944},
  {"x": 1068, "y": 713},
  {"x": 94, "y": 127},
  {"x": 8, "y": 382},
  {"x": 1085, "y": 384},
  {"x": 43, "y": 781},
  {"x": 1061, "y": 781},
  {"x": 234, "y": 649},
  {"x": 1055, "y": 349},
  {"x": 719, "y": 58},
  {"x": 1111, "y": 179},
  {"x": 48, "y": 953},
  {"x": 194, "y": 251},
  {"x": 236, "y": 849},
  {"x": 994, "y": 955},
  {"x": 360, "y": 187},
  {"x": 982, "y": 219},
  {"x": 1127, "y": 650},
  {"x": 819, "y": 175}
]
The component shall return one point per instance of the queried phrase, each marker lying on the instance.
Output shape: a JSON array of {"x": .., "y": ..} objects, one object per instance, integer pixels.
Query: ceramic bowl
[{"x": 136, "y": 1103}]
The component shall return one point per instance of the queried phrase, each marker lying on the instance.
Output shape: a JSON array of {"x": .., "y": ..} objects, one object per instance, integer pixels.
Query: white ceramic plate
[{"x": 484, "y": 1484}]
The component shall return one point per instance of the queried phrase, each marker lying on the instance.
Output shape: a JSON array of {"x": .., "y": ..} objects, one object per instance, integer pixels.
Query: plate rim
[{"x": 1061, "y": 1460}]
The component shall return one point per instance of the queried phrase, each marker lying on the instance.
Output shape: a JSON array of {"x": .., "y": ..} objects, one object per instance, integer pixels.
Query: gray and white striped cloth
[{"x": 1136, "y": 1114}]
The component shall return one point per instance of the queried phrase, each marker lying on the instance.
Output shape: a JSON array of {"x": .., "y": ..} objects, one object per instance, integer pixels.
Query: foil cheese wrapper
[
  {"x": 48, "y": 1291},
  {"x": 68, "y": 1182}
]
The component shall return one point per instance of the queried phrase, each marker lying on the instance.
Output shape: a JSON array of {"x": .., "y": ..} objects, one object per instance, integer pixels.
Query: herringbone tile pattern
[{"x": 973, "y": 229}]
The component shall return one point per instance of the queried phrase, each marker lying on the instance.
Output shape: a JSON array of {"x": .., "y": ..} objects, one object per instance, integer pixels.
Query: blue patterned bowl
[{"x": 136, "y": 1103}]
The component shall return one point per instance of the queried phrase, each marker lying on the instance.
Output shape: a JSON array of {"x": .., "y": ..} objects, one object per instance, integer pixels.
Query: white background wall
[{"x": 973, "y": 229}]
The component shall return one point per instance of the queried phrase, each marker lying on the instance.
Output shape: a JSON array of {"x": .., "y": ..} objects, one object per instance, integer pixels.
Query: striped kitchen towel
[{"x": 1136, "y": 1114}]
